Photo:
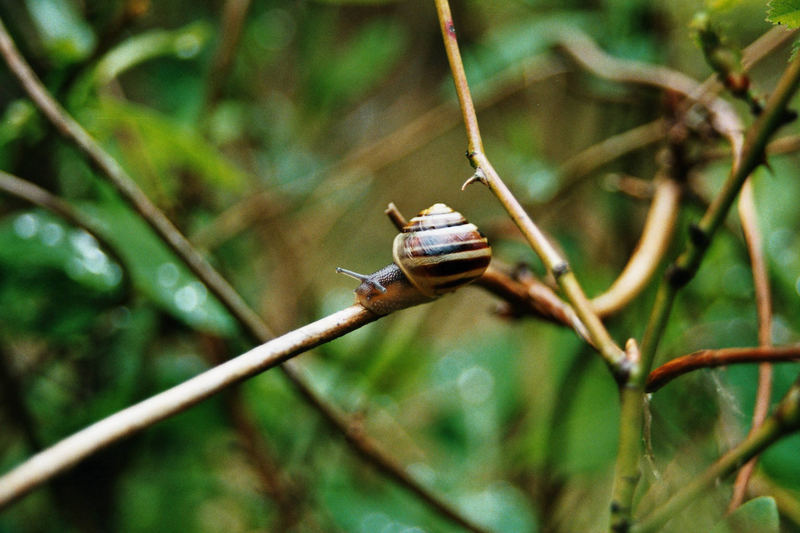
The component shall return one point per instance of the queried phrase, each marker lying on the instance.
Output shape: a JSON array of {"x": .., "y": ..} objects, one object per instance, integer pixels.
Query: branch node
[
  {"x": 698, "y": 236},
  {"x": 678, "y": 276},
  {"x": 470, "y": 155},
  {"x": 560, "y": 269}
]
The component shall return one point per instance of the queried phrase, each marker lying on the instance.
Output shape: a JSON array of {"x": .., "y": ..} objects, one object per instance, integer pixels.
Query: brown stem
[
  {"x": 274, "y": 485},
  {"x": 571, "y": 172},
  {"x": 714, "y": 358},
  {"x": 527, "y": 297},
  {"x": 233, "y": 16},
  {"x": 586, "y": 53},
  {"x": 448, "y": 28},
  {"x": 752, "y": 235}
]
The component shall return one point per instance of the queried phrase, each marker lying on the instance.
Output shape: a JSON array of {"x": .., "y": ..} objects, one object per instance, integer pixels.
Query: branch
[
  {"x": 703, "y": 232},
  {"x": 752, "y": 235},
  {"x": 586, "y": 161},
  {"x": 233, "y": 15},
  {"x": 586, "y": 53},
  {"x": 747, "y": 155},
  {"x": 485, "y": 172},
  {"x": 714, "y": 358},
  {"x": 231, "y": 300},
  {"x": 130, "y": 420},
  {"x": 529, "y": 296},
  {"x": 653, "y": 244}
]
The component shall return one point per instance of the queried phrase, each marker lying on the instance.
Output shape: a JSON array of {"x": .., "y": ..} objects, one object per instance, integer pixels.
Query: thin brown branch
[
  {"x": 395, "y": 216},
  {"x": 612, "y": 354},
  {"x": 233, "y": 16},
  {"x": 767, "y": 43},
  {"x": 448, "y": 29},
  {"x": 752, "y": 235},
  {"x": 715, "y": 358},
  {"x": 587, "y": 54},
  {"x": 285, "y": 495},
  {"x": 13, "y": 402},
  {"x": 571, "y": 171},
  {"x": 528, "y": 297},
  {"x": 250, "y": 321},
  {"x": 69, "y": 451}
]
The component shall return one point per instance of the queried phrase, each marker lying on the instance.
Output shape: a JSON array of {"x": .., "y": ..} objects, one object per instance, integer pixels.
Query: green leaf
[
  {"x": 157, "y": 273},
  {"x": 785, "y": 12},
  {"x": 367, "y": 58},
  {"x": 759, "y": 515}
]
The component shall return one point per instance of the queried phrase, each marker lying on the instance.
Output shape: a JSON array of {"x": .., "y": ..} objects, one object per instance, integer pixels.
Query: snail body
[{"x": 437, "y": 252}]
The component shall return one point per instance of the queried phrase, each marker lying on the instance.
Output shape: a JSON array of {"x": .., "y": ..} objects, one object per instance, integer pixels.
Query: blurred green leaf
[
  {"x": 355, "y": 69},
  {"x": 759, "y": 515},
  {"x": 183, "y": 43},
  {"x": 19, "y": 119},
  {"x": 518, "y": 42},
  {"x": 157, "y": 273},
  {"x": 34, "y": 240},
  {"x": 158, "y": 149}
]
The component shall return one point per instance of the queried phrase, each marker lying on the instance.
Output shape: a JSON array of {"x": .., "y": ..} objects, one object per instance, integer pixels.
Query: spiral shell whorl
[{"x": 439, "y": 251}]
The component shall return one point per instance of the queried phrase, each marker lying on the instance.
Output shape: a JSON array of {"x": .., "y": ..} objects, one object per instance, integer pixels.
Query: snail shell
[{"x": 437, "y": 252}]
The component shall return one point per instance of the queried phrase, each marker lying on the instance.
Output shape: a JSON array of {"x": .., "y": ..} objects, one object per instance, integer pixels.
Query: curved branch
[
  {"x": 714, "y": 358},
  {"x": 586, "y": 53},
  {"x": 752, "y": 235},
  {"x": 653, "y": 244},
  {"x": 529, "y": 297},
  {"x": 586, "y": 161}
]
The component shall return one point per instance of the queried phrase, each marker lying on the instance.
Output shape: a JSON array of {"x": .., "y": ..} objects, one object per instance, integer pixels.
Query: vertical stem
[
  {"x": 475, "y": 144},
  {"x": 752, "y": 234},
  {"x": 627, "y": 471}
]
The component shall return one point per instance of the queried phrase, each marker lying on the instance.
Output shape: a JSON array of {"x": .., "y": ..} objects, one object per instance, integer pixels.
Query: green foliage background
[{"x": 270, "y": 167}]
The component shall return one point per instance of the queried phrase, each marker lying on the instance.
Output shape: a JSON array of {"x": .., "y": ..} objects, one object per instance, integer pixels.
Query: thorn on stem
[{"x": 477, "y": 176}]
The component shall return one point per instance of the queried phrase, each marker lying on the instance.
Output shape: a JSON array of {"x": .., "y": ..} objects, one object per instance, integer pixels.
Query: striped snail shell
[{"x": 437, "y": 252}]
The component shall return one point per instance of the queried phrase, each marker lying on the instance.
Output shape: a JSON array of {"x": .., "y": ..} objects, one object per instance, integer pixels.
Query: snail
[{"x": 437, "y": 252}]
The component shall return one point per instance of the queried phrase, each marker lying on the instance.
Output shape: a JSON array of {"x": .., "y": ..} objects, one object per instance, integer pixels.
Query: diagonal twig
[{"x": 613, "y": 355}]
